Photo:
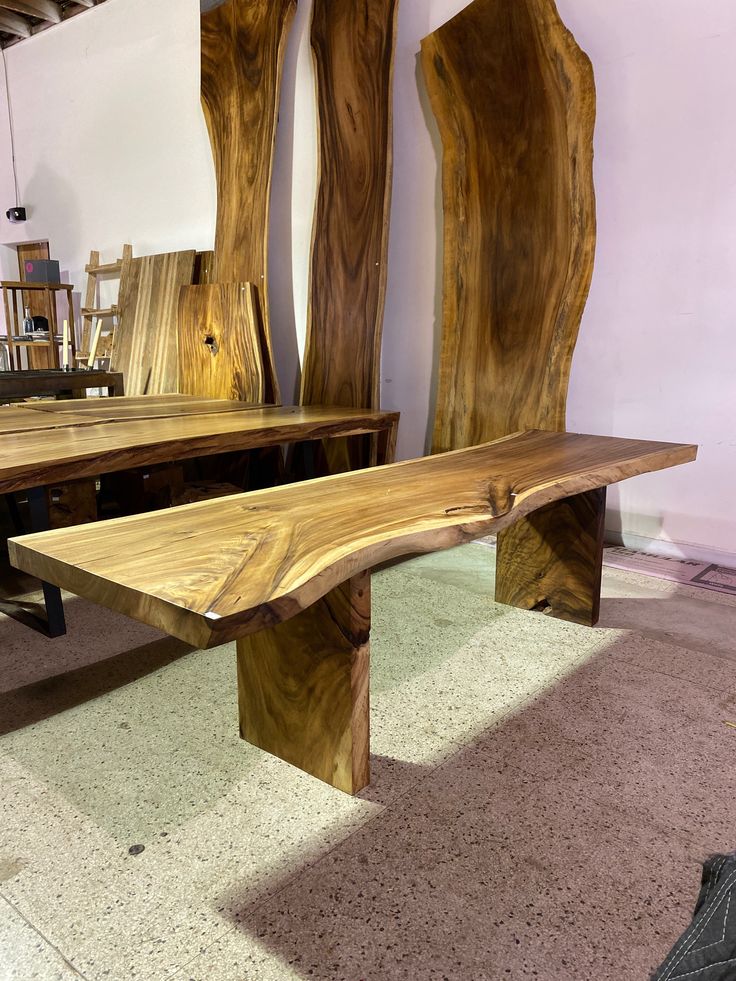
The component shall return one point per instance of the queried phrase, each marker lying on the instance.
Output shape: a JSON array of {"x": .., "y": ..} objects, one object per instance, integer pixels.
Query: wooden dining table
[{"x": 48, "y": 442}]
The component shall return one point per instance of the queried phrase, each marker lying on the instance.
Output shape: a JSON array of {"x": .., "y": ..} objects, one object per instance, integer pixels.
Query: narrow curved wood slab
[
  {"x": 219, "y": 343},
  {"x": 218, "y": 570},
  {"x": 514, "y": 98},
  {"x": 243, "y": 45},
  {"x": 353, "y": 46}
]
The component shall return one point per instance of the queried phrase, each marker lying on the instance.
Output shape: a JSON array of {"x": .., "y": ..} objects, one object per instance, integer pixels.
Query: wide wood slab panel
[
  {"x": 243, "y": 45},
  {"x": 353, "y": 46},
  {"x": 219, "y": 342},
  {"x": 39, "y": 457},
  {"x": 144, "y": 345},
  {"x": 514, "y": 98},
  {"x": 219, "y": 570}
]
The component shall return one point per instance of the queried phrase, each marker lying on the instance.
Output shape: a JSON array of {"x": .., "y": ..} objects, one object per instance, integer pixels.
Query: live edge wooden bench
[{"x": 284, "y": 571}]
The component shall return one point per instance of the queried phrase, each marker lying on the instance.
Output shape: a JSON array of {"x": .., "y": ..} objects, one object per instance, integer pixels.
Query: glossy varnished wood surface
[
  {"x": 243, "y": 44},
  {"x": 33, "y": 458},
  {"x": 353, "y": 46},
  {"x": 22, "y": 419},
  {"x": 144, "y": 343},
  {"x": 219, "y": 344},
  {"x": 552, "y": 560},
  {"x": 514, "y": 99},
  {"x": 223, "y": 569},
  {"x": 140, "y": 407},
  {"x": 303, "y": 687}
]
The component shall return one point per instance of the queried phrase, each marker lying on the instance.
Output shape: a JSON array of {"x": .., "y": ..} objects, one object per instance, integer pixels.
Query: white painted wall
[{"x": 111, "y": 147}]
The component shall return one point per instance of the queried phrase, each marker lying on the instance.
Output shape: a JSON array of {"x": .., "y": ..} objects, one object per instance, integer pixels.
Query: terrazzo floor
[{"x": 542, "y": 798}]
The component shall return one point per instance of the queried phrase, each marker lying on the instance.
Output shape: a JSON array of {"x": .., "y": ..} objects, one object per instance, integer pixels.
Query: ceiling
[{"x": 20, "y": 19}]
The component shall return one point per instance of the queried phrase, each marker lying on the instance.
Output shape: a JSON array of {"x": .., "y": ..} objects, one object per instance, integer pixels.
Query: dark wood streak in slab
[
  {"x": 243, "y": 45},
  {"x": 353, "y": 46},
  {"x": 224, "y": 569},
  {"x": 514, "y": 98}
]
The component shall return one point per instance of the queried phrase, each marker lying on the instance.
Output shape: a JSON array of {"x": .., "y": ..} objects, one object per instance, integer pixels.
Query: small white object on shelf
[{"x": 65, "y": 346}]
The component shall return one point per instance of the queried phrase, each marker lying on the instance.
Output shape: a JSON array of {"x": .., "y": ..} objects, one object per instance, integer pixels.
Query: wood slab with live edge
[
  {"x": 219, "y": 344},
  {"x": 68, "y": 452},
  {"x": 243, "y": 46},
  {"x": 353, "y": 47},
  {"x": 280, "y": 570},
  {"x": 514, "y": 99}
]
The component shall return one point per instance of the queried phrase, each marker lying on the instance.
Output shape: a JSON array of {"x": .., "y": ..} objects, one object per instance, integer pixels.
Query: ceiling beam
[
  {"x": 86, "y": 3},
  {"x": 12, "y": 24},
  {"x": 45, "y": 9}
]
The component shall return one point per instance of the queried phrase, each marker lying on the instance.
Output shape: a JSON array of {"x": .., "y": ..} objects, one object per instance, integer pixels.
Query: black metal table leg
[
  {"x": 38, "y": 505},
  {"x": 15, "y": 516}
]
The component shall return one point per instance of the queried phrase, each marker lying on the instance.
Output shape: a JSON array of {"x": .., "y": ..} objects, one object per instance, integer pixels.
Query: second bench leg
[
  {"x": 553, "y": 559},
  {"x": 303, "y": 687}
]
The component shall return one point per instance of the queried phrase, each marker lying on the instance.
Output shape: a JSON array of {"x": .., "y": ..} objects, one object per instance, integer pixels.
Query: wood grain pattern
[
  {"x": 303, "y": 687},
  {"x": 552, "y": 560},
  {"x": 353, "y": 45},
  {"x": 73, "y": 503},
  {"x": 21, "y": 419},
  {"x": 65, "y": 453},
  {"x": 243, "y": 45},
  {"x": 141, "y": 407},
  {"x": 144, "y": 345},
  {"x": 219, "y": 343},
  {"x": 219, "y": 570},
  {"x": 514, "y": 98}
]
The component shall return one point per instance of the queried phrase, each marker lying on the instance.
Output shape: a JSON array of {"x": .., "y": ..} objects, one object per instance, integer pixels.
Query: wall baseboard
[
  {"x": 672, "y": 550},
  {"x": 662, "y": 549}
]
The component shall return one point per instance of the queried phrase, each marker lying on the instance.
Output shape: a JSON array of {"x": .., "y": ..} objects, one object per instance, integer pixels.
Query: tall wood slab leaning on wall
[
  {"x": 243, "y": 44},
  {"x": 353, "y": 46},
  {"x": 514, "y": 98}
]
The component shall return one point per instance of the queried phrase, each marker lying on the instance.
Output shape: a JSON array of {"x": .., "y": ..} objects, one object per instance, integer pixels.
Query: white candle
[
  {"x": 95, "y": 343},
  {"x": 65, "y": 346}
]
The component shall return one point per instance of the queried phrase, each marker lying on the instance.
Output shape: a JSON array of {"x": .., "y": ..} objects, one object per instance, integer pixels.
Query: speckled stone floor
[{"x": 542, "y": 796}]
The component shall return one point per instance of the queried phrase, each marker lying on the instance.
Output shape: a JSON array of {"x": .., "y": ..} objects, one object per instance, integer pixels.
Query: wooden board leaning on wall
[
  {"x": 514, "y": 98},
  {"x": 243, "y": 46}
]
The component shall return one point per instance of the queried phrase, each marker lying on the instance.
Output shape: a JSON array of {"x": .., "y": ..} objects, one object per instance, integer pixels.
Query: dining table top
[{"x": 48, "y": 441}]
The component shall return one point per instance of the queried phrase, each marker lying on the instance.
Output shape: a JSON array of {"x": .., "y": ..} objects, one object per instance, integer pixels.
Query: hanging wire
[{"x": 10, "y": 126}]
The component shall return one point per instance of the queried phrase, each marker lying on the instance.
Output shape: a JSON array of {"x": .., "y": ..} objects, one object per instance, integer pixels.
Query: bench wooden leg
[
  {"x": 552, "y": 560},
  {"x": 303, "y": 687}
]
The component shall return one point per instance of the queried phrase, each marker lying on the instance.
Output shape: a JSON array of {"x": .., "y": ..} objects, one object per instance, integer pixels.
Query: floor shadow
[
  {"x": 57, "y": 693},
  {"x": 697, "y": 624},
  {"x": 564, "y": 843}
]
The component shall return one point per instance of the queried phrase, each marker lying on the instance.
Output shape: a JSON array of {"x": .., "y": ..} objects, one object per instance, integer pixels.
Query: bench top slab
[
  {"x": 92, "y": 446},
  {"x": 217, "y": 570}
]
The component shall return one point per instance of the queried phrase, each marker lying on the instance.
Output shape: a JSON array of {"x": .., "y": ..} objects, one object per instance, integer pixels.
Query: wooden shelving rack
[{"x": 13, "y": 294}]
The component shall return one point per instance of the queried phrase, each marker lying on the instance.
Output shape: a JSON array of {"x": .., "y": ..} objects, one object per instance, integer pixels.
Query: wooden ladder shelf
[{"x": 92, "y": 313}]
